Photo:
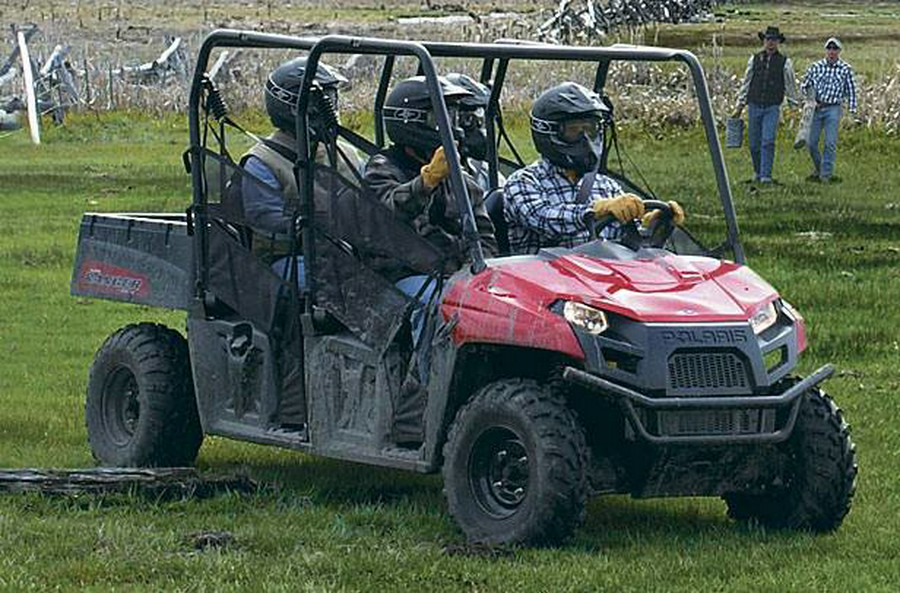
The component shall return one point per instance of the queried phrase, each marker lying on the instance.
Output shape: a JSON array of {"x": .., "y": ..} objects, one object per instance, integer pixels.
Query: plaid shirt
[
  {"x": 542, "y": 210},
  {"x": 832, "y": 83}
]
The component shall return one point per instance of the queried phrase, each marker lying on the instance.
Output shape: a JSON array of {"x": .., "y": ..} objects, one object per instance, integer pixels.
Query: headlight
[
  {"x": 764, "y": 318},
  {"x": 591, "y": 320},
  {"x": 791, "y": 311}
]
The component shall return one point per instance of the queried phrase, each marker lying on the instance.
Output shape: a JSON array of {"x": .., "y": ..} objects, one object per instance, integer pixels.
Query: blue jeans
[
  {"x": 826, "y": 118},
  {"x": 762, "y": 126},
  {"x": 282, "y": 268}
]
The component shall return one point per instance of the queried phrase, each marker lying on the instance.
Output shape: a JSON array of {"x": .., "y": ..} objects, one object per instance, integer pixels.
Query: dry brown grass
[{"x": 105, "y": 35}]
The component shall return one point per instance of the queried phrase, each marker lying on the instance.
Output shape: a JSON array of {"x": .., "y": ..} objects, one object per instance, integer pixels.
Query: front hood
[
  {"x": 654, "y": 286},
  {"x": 511, "y": 301}
]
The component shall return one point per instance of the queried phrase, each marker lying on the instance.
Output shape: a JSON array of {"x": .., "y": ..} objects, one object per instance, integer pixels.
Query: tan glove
[
  {"x": 677, "y": 215},
  {"x": 435, "y": 171},
  {"x": 624, "y": 207}
]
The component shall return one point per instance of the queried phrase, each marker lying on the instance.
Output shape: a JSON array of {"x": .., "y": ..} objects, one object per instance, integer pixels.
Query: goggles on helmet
[
  {"x": 289, "y": 97},
  {"x": 331, "y": 94},
  {"x": 471, "y": 120},
  {"x": 571, "y": 130}
]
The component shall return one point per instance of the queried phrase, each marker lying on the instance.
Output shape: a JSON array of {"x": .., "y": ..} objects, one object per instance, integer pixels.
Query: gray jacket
[{"x": 393, "y": 178}]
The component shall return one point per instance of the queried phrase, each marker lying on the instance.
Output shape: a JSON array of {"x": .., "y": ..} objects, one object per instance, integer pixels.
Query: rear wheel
[
  {"x": 514, "y": 466},
  {"x": 140, "y": 409},
  {"x": 820, "y": 479}
]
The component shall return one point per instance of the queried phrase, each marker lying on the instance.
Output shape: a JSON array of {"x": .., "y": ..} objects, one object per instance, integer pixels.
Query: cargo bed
[{"x": 135, "y": 258}]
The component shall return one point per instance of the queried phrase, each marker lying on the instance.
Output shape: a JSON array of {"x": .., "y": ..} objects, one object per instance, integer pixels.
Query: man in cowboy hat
[
  {"x": 828, "y": 82},
  {"x": 768, "y": 79}
]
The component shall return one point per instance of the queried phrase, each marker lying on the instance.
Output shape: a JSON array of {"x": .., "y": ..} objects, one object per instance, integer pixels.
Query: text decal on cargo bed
[{"x": 98, "y": 277}]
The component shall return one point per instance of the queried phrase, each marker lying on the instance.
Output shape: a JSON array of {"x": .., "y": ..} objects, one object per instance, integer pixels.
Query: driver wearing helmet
[
  {"x": 474, "y": 145},
  {"x": 268, "y": 207},
  {"x": 550, "y": 202}
]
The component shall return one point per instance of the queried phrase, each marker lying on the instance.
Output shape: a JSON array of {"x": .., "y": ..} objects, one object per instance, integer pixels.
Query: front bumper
[{"x": 638, "y": 408}]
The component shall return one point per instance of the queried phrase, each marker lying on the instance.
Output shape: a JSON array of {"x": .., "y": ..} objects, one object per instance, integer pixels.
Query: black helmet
[
  {"x": 567, "y": 126},
  {"x": 283, "y": 87},
  {"x": 480, "y": 93},
  {"x": 409, "y": 118},
  {"x": 471, "y": 115}
]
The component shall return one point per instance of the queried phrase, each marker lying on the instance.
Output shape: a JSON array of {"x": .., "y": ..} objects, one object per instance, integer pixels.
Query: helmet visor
[
  {"x": 452, "y": 111},
  {"x": 331, "y": 94},
  {"x": 571, "y": 130},
  {"x": 471, "y": 120}
]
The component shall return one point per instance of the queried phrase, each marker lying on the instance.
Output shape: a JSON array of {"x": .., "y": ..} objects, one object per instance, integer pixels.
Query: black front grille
[
  {"x": 716, "y": 422},
  {"x": 707, "y": 370}
]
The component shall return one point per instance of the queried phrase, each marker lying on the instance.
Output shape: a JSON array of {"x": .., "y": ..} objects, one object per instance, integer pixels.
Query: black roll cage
[{"x": 495, "y": 60}]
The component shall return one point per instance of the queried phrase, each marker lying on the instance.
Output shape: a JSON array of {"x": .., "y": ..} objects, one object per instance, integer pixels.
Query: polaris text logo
[
  {"x": 704, "y": 336},
  {"x": 113, "y": 283}
]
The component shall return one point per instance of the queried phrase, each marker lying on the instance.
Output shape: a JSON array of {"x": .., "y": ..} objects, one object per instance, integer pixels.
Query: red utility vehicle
[{"x": 650, "y": 365}]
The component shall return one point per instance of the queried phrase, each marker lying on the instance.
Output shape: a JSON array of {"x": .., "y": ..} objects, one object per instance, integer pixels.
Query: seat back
[{"x": 493, "y": 203}]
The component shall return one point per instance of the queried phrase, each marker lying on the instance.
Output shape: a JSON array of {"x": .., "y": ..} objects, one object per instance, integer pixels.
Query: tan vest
[
  {"x": 271, "y": 248},
  {"x": 284, "y": 169}
]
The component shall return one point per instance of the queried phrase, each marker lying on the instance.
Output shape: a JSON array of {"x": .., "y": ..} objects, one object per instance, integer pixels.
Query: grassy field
[{"x": 322, "y": 525}]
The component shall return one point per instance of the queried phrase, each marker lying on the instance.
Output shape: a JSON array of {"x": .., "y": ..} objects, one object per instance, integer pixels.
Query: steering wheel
[{"x": 634, "y": 237}]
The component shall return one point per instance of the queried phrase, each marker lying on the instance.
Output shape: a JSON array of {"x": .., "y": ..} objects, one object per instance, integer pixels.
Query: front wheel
[
  {"x": 514, "y": 466},
  {"x": 817, "y": 490},
  {"x": 140, "y": 409}
]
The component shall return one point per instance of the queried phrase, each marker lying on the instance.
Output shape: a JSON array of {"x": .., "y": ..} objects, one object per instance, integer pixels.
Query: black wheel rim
[
  {"x": 121, "y": 406},
  {"x": 499, "y": 472}
]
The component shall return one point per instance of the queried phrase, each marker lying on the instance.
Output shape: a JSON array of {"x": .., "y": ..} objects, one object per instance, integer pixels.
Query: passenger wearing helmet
[
  {"x": 410, "y": 176},
  {"x": 474, "y": 145},
  {"x": 546, "y": 203},
  {"x": 269, "y": 202},
  {"x": 271, "y": 160}
]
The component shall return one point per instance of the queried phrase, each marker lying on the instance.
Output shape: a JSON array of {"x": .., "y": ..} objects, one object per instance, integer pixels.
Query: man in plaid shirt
[
  {"x": 542, "y": 207},
  {"x": 829, "y": 83},
  {"x": 552, "y": 202}
]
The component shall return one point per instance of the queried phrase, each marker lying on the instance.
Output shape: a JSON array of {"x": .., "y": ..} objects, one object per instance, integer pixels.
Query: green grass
[
  {"x": 869, "y": 30},
  {"x": 323, "y": 525}
]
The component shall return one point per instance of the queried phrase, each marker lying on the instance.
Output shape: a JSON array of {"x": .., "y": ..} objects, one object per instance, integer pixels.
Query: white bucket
[
  {"x": 806, "y": 118},
  {"x": 734, "y": 132}
]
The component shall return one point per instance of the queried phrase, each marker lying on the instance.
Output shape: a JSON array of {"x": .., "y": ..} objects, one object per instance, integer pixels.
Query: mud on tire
[
  {"x": 514, "y": 466},
  {"x": 821, "y": 474},
  {"x": 140, "y": 409}
]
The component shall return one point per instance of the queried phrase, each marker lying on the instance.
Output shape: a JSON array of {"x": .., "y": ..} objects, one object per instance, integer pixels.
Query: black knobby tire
[
  {"x": 821, "y": 474},
  {"x": 514, "y": 466},
  {"x": 140, "y": 409}
]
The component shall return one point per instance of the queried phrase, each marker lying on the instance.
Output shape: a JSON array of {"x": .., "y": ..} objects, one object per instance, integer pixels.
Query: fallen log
[{"x": 180, "y": 482}]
